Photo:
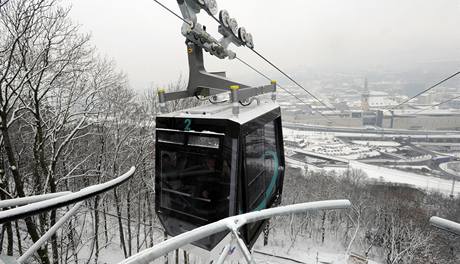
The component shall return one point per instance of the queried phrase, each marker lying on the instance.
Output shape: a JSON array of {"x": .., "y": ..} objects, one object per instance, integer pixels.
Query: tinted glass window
[
  {"x": 168, "y": 137},
  {"x": 195, "y": 185},
  {"x": 255, "y": 166},
  {"x": 271, "y": 157},
  {"x": 202, "y": 141},
  {"x": 262, "y": 160}
]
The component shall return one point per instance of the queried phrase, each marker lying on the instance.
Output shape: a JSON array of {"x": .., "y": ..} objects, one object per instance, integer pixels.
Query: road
[{"x": 359, "y": 130}]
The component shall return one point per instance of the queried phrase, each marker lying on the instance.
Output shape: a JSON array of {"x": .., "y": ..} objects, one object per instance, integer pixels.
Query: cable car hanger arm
[{"x": 202, "y": 82}]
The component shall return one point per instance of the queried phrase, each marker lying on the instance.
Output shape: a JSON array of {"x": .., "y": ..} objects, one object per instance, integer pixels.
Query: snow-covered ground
[
  {"x": 328, "y": 144},
  {"x": 304, "y": 250},
  {"x": 389, "y": 175},
  {"x": 397, "y": 176}
]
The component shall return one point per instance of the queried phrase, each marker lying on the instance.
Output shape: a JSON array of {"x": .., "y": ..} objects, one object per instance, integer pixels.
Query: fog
[{"x": 298, "y": 35}]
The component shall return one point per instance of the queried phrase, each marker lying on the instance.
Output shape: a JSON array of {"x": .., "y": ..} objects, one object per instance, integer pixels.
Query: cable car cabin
[{"x": 211, "y": 164}]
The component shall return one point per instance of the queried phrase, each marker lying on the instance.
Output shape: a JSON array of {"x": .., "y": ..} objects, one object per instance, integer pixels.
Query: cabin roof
[{"x": 224, "y": 111}]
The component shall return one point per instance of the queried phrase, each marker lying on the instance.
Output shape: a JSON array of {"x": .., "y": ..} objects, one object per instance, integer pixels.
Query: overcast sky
[{"x": 146, "y": 42}]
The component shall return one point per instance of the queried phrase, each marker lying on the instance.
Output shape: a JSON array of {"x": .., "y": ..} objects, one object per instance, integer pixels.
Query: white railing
[
  {"x": 444, "y": 224},
  {"x": 232, "y": 224},
  {"x": 30, "y": 199},
  {"x": 60, "y": 201},
  {"x": 41, "y": 203}
]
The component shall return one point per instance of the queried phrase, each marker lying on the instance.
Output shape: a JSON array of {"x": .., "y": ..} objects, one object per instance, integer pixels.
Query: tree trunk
[
  {"x": 149, "y": 210},
  {"x": 106, "y": 229},
  {"x": 266, "y": 233},
  {"x": 72, "y": 242},
  {"x": 7, "y": 226},
  {"x": 144, "y": 217},
  {"x": 128, "y": 212},
  {"x": 54, "y": 242},
  {"x": 323, "y": 228},
  {"x": 139, "y": 219},
  {"x": 165, "y": 236},
  {"x": 96, "y": 229},
  {"x": 31, "y": 227},
  {"x": 186, "y": 261},
  {"x": 18, "y": 237},
  {"x": 9, "y": 232},
  {"x": 2, "y": 236},
  {"x": 120, "y": 223}
]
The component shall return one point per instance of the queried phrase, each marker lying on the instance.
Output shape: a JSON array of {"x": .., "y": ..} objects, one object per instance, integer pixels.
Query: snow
[
  {"x": 30, "y": 199},
  {"x": 397, "y": 176},
  {"x": 312, "y": 256},
  {"x": 304, "y": 249},
  {"x": 193, "y": 131},
  {"x": 453, "y": 168},
  {"x": 387, "y": 175},
  {"x": 327, "y": 144},
  {"x": 224, "y": 111}
]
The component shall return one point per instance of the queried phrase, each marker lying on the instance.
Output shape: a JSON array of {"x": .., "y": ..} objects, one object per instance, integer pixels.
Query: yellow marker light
[
  {"x": 234, "y": 87},
  {"x": 273, "y": 82},
  {"x": 161, "y": 90}
]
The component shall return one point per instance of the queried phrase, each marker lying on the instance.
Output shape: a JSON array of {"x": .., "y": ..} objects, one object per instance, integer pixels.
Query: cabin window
[
  {"x": 205, "y": 142},
  {"x": 194, "y": 185},
  {"x": 172, "y": 138},
  {"x": 270, "y": 148},
  {"x": 261, "y": 146},
  {"x": 255, "y": 166}
]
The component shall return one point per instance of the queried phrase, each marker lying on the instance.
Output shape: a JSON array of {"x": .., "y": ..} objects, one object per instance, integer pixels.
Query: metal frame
[
  {"x": 446, "y": 225},
  {"x": 30, "y": 199},
  {"x": 202, "y": 82},
  {"x": 232, "y": 224},
  {"x": 205, "y": 83},
  {"x": 47, "y": 205},
  {"x": 42, "y": 203}
]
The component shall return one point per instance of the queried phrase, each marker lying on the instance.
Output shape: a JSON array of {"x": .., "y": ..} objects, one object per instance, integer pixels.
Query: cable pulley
[{"x": 228, "y": 28}]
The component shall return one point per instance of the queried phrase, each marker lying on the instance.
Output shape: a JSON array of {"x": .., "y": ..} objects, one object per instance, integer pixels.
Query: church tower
[{"x": 365, "y": 97}]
